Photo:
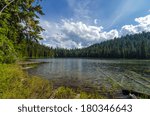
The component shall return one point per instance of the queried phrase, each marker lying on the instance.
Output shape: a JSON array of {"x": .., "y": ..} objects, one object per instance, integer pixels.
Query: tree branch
[{"x": 6, "y": 6}]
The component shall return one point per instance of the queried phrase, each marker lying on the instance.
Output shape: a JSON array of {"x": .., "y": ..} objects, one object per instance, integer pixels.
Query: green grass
[
  {"x": 16, "y": 84},
  {"x": 64, "y": 93}
]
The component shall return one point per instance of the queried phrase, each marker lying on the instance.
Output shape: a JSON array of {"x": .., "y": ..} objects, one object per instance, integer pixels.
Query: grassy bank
[{"x": 15, "y": 83}]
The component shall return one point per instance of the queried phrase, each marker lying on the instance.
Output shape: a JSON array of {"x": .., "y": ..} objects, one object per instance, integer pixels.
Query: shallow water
[{"x": 130, "y": 74}]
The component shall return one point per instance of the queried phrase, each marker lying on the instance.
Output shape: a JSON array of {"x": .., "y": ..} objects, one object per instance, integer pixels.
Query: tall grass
[{"x": 15, "y": 83}]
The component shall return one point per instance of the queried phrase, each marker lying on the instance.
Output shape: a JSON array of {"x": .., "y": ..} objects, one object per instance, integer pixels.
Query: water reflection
[
  {"x": 129, "y": 73},
  {"x": 87, "y": 68}
]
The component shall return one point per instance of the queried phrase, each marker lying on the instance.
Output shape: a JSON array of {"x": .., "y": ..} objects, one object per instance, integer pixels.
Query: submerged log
[{"x": 135, "y": 94}]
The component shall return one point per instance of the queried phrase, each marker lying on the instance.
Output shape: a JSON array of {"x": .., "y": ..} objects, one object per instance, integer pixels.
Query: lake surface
[{"x": 130, "y": 74}]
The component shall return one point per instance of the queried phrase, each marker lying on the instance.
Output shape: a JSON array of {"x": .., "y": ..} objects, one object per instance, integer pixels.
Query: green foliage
[
  {"x": 20, "y": 19},
  {"x": 85, "y": 95},
  {"x": 7, "y": 51},
  {"x": 10, "y": 77},
  {"x": 19, "y": 24},
  {"x": 64, "y": 93},
  {"x": 68, "y": 93},
  {"x": 30, "y": 49},
  {"x": 39, "y": 88},
  {"x": 16, "y": 84}
]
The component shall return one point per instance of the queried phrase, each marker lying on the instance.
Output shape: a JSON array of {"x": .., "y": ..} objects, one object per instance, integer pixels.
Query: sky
[{"x": 81, "y": 23}]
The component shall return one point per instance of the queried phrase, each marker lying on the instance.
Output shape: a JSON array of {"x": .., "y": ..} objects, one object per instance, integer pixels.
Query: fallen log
[{"x": 136, "y": 94}]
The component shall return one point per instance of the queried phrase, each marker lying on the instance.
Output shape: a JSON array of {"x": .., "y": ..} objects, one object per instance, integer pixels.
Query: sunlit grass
[
  {"x": 15, "y": 83},
  {"x": 64, "y": 93}
]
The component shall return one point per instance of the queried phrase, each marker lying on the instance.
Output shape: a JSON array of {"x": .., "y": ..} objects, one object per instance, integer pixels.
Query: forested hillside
[{"x": 130, "y": 46}]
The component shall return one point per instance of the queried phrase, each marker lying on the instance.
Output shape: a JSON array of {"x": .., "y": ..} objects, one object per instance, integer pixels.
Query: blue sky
[{"x": 80, "y": 23}]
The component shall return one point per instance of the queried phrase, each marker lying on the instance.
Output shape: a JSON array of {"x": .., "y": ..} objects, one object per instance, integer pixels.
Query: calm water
[{"x": 133, "y": 74}]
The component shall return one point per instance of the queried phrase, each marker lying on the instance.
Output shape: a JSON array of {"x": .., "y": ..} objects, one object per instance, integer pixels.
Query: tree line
[{"x": 135, "y": 46}]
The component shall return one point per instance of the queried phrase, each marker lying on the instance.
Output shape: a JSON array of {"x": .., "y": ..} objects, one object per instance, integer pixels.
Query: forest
[{"x": 135, "y": 46}]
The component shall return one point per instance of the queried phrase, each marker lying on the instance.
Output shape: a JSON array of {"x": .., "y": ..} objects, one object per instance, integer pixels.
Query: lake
[{"x": 129, "y": 74}]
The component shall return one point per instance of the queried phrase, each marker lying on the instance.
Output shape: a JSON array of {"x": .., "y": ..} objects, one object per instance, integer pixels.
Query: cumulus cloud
[
  {"x": 143, "y": 20},
  {"x": 76, "y": 34},
  {"x": 86, "y": 35},
  {"x": 128, "y": 29},
  {"x": 69, "y": 34},
  {"x": 55, "y": 36},
  {"x": 143, "y": 25}
]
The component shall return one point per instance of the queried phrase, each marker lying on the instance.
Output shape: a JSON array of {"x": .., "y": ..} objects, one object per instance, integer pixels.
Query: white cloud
[
  {"x": 143, "y": 25},
  {"x": 143, "y": 20},
  {"x": 128, "y": 29},
  {"x": 71, "y": 34},
  {"x": 87, "y": 32}
]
